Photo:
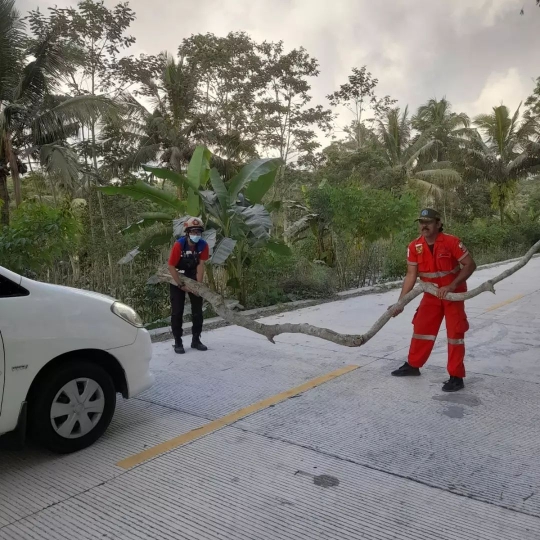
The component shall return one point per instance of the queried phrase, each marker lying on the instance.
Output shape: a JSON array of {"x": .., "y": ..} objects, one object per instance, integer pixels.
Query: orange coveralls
[{"x": 440, "y": 268}]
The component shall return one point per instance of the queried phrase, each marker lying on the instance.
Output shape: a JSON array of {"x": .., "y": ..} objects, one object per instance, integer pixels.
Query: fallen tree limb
[{"x": 270, "y": 331}]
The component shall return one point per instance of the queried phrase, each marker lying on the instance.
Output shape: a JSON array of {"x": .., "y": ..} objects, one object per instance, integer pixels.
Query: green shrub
[
  {"x": 273, "y": 279},
  {"x": 38, "y": 238},
  {"x": 488, "y": 241}
]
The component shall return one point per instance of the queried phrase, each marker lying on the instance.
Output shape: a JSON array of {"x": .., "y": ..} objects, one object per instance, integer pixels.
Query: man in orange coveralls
[{"x": 441, "y": 259}]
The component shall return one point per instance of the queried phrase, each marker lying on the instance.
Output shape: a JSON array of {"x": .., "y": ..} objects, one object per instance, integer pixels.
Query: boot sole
[
  {"x": 453, "y": 389},
  {"x": 406, "y": 374}
]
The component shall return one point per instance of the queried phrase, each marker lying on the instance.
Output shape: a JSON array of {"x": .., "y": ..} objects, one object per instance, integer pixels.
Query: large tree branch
[{"x": 270, "y": 331}]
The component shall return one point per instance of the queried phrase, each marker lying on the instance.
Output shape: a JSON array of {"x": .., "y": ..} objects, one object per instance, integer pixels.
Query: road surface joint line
[
  {"x": 387, "y": 472},
  {"x": 229, "y": 419}
]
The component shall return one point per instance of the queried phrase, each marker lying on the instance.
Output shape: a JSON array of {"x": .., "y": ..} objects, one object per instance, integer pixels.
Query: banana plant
[
  {"x": 236, "y": 220},
  {"x": 311, "y": 220}
]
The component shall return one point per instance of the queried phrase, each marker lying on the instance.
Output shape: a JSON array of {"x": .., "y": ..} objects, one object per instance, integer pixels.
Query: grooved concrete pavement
[{"x": 362, "y": 456}]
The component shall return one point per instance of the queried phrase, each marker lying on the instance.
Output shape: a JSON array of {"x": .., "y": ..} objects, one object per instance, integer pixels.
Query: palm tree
[
  {"x": 11, "y": 55},
  {"x": 403, "y": 155},
  {"x": 445, "y": 125},
  {"x": 169, "y": 131},
  {"x": 509, "y": 150},
  {"x": 28, "y": 117},
  {"x": 176, "y": 125}
]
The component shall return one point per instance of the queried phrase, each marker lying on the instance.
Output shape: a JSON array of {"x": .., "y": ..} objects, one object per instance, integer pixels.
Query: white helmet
[{"x": 193, "y": 223}]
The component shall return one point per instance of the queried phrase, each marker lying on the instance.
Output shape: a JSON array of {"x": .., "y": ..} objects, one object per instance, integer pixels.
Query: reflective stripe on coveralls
[
  {"x": 423, "y": 336},
  {"x": 434, "y": 275},
  {"x": 433, "y": 338},
  {"x": 427, "y": 321}
]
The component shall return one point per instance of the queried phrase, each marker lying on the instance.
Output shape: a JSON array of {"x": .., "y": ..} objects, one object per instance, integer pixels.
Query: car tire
[{"x": 72, "y": 407}]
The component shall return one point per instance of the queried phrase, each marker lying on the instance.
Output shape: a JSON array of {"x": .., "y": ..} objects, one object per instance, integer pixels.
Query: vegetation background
[{"x": 103, "y": 153}]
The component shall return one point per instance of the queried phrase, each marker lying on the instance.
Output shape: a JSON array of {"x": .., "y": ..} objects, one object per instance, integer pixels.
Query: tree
[
  {"x": 403, "y": 155},
  {"x": 284, "y": 121},
  {"x": 98, "y": 34},
  {"x": 233, "y": 212},
  {"x": 28, "y": 117},
  {"x": 176, "y": 124},
  {"x": 443, "y": 125},
  {"x": 357, "y": 95},
  {"x": 343, "y": 165},
  {"x": 11, "y": 61},
  {"x": 229, "y": 78},
  {"x": 533, "y": 103},
  {"x": 169, "y": 131},
  {"x": 506, "y": 154}
]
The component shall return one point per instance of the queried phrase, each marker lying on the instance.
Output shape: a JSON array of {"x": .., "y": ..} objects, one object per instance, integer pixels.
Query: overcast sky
[{"x": 477, "y": 53}]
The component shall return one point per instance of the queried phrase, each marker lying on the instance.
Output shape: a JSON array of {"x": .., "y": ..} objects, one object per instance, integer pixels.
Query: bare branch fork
[{"x": 270, "y": 331}]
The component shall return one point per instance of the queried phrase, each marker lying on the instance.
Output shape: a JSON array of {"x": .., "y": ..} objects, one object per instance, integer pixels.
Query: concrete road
[{"x": 308, "y": 440}]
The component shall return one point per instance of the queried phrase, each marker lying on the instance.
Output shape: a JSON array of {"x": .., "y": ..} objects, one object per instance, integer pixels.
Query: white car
[{"x": 64, "y": 355}]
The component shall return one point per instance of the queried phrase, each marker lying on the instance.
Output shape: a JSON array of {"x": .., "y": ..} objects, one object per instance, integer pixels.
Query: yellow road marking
[
  {"x": 229, "y": 419},
  {"x": 505, "y": 303}
]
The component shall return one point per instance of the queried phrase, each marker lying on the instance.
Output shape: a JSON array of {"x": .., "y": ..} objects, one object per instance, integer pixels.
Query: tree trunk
[
  {"x": 102, "y": 212},
  {"x": 99, "y": 196},
  {"x": 13, "y": 168},
  {"x": 4, "y": 200},
  {"x": 89, "y": 192}
]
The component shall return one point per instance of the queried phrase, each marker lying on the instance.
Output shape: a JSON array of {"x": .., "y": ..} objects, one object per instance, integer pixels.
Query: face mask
[{"x": 194, "y": 238}]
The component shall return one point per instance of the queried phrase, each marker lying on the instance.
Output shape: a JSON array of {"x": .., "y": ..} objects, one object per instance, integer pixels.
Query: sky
[{"x": 476, "y": 53}]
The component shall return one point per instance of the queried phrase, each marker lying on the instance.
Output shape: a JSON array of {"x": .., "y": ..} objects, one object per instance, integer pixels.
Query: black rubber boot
[
  {"x": 406, "y": 370},
  {"x": 453, "y": 384},
  {"x": 196, "y": 344},
  {"x": 179, "y": 347}
]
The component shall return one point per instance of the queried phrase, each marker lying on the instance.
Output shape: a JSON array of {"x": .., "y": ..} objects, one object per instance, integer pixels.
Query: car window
[{"x": 8, "y": 289}]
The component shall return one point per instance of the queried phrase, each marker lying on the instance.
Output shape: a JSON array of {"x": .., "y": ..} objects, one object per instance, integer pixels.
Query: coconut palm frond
[
  {"x": 424, "y": 187},
  {"x": 81, "y": 109},
  {"x": 11, "y": 48},
  {"x": 435, "y": 166},
  {"x": 142, "y": 155},
  {"x": 421, "y": 147},
  {"x": 61, "y": 161},
  {"x": 521, "y": 161},
  {"x": 440, "y": 177}
]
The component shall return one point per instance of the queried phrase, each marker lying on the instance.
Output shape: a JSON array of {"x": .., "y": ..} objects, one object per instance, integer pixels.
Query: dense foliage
[{"x": 103, "y": 154}]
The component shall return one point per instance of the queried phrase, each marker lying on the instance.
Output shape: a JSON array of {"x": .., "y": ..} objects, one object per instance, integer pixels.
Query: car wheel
[{"x": 72, "y": 407}]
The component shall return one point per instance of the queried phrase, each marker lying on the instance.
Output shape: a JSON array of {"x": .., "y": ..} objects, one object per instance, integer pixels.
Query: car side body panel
[{"x": 54, "y": 320}]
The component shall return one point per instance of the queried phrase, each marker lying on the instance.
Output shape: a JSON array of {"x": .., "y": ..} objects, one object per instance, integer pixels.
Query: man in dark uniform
[{"x": 187, "y": 257}]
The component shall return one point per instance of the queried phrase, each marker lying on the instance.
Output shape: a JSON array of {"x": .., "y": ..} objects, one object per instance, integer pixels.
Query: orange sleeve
[
  {"x": 176, "y": 254},
  {"x": 412, "y": 258},
  {"x": 459, "y": 251}
]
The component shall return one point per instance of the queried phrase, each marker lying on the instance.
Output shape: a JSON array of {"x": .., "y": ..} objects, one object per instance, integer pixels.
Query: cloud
[
  {"x": 507, "y": 88},
  {"x": 474, "y": 52},
  {"x": 487, "y": 12}
]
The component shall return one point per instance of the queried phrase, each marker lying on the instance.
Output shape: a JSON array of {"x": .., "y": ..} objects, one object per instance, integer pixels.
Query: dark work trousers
[{"x": 178, "y": 299}]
